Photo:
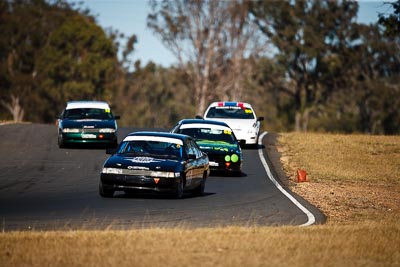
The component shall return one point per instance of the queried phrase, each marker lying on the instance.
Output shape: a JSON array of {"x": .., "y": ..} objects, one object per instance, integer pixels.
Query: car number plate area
[
  {"x": 89, "y": 136},
  {"x": 214, "y": 164}
]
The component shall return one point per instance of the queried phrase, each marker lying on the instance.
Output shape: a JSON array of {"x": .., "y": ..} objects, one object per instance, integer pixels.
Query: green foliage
[
  {"x": 52, "y": 54},
  {"x": 19, "y": 45},
  {"x": 307, "y": 34},
  {"x": 77, "y": 63},
  {"x": 155, "y": 97},
  {"x": 325, "y": 55},
  {"x": 391, "y": 21}
]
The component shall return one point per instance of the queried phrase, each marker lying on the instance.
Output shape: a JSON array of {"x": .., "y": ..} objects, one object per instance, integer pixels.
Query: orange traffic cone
[{"x": 301, "y": 176}]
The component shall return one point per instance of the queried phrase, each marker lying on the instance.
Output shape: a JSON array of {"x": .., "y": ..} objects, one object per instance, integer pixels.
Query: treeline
[{"x": 304, "y": 65}]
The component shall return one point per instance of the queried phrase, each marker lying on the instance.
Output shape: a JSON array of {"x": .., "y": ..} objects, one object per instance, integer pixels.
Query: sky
[{"x": 129, "y": 17}]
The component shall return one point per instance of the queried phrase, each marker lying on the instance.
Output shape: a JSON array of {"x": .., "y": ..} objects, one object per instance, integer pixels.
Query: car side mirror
[
  {"x": 117, "y": 117},
  {"x": 199, "y": 117},
  {"x": 260, "y": 118},
  {"x": 111, "y": 151}
]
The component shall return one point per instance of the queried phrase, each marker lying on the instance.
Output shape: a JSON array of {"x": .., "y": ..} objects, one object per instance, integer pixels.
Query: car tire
[
  {"x": 60, "y": 141},
  {"x": 104, "y": 191},
  {"x": 113, "y": 145},
  {"x": 179, "y": 189}
]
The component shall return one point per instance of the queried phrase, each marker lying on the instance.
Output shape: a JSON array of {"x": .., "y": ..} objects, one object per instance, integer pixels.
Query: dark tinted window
[
  {"x": 88, "y": 113},
  {"x": 151, "y": 148},
  {"x": 230, "y": 113},
  {"x": 210, "y": 134}
]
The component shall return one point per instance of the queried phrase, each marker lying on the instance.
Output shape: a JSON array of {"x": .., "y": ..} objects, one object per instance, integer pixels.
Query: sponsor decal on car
[
  {"x": 143, "y": 160},
  {"x": 137, "y": 168}
]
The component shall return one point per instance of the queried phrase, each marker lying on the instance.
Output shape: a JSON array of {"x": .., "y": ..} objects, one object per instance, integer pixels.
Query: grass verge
[
  {"x": 352, "y": 178},
  {"x": 371, "y": 244}
]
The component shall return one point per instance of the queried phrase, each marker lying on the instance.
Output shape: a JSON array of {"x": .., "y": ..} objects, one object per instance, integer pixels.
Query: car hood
[
  {"x": 216, "y": 146},
  {"x": 143, "y": 163},
  {"x": 88, "y": 124}
]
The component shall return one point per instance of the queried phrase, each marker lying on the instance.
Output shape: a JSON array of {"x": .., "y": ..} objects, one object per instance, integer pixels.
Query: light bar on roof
[{"x": 232, "y": 104}]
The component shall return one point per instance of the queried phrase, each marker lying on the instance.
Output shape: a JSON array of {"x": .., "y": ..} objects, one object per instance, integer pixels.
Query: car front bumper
[
  {"x": 89, "y": 138},
  {"x": 218, "y": 163},
  {"x": 249, "y": 138},
  {"x": 133, "y": 182}
]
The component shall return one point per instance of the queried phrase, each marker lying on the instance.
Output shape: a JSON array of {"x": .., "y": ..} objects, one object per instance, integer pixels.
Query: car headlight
[
  {"x": 112, "y": 171},
  {"x": 235, "y": 158},
  {"x": 251, "y": 131},
  {"x": 70, "y": 130},
  {"x": 107, "y": 130}
]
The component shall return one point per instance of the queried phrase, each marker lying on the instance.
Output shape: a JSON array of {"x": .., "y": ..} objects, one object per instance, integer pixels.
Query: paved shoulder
[{"x": 272, "y": 157}]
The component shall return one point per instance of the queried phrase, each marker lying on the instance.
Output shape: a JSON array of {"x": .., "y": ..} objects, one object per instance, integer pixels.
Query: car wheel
[
  {"x": 60, "y": 141},
  {"x": 113, "y": 145},
  {"x": 179, "y": 189},
  {"x": 104, "y": 191},
  {"x": 199, "y": 191}
]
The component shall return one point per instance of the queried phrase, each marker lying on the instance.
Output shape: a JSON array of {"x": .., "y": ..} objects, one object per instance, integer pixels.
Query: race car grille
[
  {"x": 217, "y": 158},
  {"x": 136, "y": 172}
]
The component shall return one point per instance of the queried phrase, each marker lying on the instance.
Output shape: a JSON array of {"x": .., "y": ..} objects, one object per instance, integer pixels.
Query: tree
[
  {"x": 309, "y": 37},
  {"x": 18, "y": 46},
  {"x": 373, "y": 80},
  {"x": 210, "y": 40},
  {"x": 391, "y": 21},
  {"x": 153, "y": 96},
  {"x": 78, "y": 62},
  {"x": 51, "y": 53}
]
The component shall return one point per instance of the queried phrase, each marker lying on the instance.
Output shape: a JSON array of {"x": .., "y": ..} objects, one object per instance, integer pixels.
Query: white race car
[{"x": 240, "y": 117}]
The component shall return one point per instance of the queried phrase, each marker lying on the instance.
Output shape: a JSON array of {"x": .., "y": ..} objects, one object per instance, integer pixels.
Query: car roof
[
  {"x": 201, "y": 121},
  {"x": 87, "y": 104},
  {"x": 160, "y": 134},
  {"x": 230, "y": 104}
]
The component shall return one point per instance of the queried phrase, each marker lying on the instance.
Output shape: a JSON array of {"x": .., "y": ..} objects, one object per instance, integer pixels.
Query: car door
[{"x": 194, "y": 165}]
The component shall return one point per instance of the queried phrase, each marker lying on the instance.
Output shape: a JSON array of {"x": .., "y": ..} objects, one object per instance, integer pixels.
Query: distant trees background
[
  {"x": 51, "y": 53},
  {"x": 304, "y": 65}
]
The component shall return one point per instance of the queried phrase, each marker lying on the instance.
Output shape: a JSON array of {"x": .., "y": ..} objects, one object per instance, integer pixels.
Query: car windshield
[
  {"x": 88, "y": 114},
  {"x": 230, "y": 113},
  {"x": 151, "y": 149},
  {"x": 217, "y": 135}
]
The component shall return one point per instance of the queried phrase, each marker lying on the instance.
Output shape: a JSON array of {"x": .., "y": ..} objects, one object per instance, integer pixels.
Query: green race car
[
  {"x": 87, "y": 122},
  {"x": 217, "y": 140}
]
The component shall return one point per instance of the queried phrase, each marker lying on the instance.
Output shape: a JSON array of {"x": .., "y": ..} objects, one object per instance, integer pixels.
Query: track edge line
[{"x": 310, "y": 217}]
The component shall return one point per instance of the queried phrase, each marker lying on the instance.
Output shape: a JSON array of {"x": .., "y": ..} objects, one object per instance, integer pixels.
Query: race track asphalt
[{"x": 43, "y": 187}]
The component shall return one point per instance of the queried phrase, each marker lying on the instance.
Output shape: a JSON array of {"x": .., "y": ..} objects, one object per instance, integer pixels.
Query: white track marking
[{"x": 310, "y": 216}]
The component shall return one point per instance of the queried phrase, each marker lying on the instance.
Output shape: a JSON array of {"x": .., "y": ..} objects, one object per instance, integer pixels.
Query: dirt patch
[
  {"x": 367, "y": 197},
  {"x": 348, "y": 203}
]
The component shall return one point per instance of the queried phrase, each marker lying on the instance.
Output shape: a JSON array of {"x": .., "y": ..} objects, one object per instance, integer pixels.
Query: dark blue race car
[{"x": 155, "y": 161}]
